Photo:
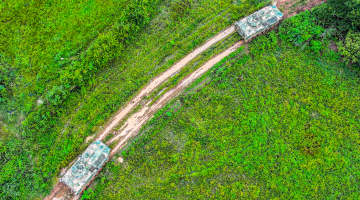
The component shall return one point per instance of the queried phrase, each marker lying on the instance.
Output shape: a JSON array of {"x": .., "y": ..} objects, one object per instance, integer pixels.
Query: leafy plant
[
  {"x": 179, "y": 8},
  {"x": 88, "y": 194},
  {"x": 343, "y": 15},
  {"x": 301, "y": 30},
  {"x": 56, "y": 95},
  {"x": 351, "y": 49}
]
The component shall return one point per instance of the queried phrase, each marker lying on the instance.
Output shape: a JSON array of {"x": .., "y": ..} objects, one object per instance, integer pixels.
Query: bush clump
[
  {"x": 350, "y": 48},
  {"x": 56, "y": 95}
]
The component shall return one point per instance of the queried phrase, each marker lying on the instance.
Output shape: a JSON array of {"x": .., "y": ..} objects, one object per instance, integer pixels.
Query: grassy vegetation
[
  {"x": 280, "y": 122},
  {"x": 54, "y": 47},
  {"x": 107, "y": 59}
]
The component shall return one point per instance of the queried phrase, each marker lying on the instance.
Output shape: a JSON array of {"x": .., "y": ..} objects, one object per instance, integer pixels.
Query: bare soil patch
[
  {"x": 89, "y": 138},
  {"x": 60, "y": 192},
  {"x": 293, "y": 7},
  {"x": 333, "y": 46}
]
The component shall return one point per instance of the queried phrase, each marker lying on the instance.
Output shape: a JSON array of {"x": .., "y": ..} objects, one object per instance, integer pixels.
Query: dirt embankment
[
  {"x": 60, "y": 192},
  {"x": 292, "y": 7}
]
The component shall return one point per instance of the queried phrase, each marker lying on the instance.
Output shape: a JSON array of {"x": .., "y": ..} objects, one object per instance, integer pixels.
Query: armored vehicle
[
  {"x": 259, "y": 22},
  {"x": 86, "y": 166}
]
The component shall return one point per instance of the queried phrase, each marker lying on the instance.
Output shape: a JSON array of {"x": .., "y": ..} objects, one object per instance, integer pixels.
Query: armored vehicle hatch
[
  {"x": 86, "y": 166},
  {"x": 258, "y": 22}
]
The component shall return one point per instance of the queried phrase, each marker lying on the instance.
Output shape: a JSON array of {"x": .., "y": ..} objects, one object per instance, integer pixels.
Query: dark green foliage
[
  {"x": 179, "y": 8},
  {"x": 277, "y": 123},
  {"x": 303, "y": 31},
  {"x": 351, "y": 49},
  {"x": 344, "y": 15},
  {"x": 3, "y": 94},
  {"x": 14, "y": 159},
  {"x": 88, "y": 194},
  {"x": 6, "y": 75},
  {"x": 56, "y": 95}
]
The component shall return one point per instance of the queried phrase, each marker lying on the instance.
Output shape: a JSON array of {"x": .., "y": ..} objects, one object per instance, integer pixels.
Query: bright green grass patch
[
  {"x": 276, "y": 123},
  {"x": 53, "y": 48}
]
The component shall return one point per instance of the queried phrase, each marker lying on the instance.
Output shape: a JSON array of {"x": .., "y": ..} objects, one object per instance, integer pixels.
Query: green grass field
[
  {"x": 110, "y": 50},
  {"x": 280, "y": 122}
]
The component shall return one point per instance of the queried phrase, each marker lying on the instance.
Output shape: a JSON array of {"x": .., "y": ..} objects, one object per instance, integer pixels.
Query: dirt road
[
  {"x": 162, "y": 78},
  {"x": 137, "y": 120}
]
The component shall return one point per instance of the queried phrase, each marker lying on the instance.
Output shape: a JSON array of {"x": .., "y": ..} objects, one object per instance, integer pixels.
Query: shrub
[
  {"x": 179, "y": 8},
  {"x": 3, "y": 93},
  {"x": 344, "y": 15},
  {"x": 351, "y": 49},
  {"x": 302, "y": 30},
  {"x": 6, "y": 78},
  {"x": 56, "y": 95}
]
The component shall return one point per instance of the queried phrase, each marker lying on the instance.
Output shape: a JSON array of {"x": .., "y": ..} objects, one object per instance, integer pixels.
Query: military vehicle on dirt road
[
  {"x": 258, "y": 23},
  {"x": 86, "y": 166}
]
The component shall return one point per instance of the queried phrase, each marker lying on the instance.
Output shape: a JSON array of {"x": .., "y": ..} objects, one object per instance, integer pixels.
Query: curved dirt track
[
  {"x": 135, "y": 121},
  {"x": 161, "y": 78}
]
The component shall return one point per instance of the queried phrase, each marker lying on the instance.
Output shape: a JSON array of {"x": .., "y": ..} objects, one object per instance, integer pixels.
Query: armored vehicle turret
[
  {"x": 259, "y": 22},
  {"x": 86, "y": 166}
]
